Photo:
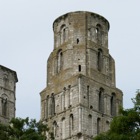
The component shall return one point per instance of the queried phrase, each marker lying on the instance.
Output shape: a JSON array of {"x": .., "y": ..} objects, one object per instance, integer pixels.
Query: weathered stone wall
[
  {"x": 84, "y": 96},
  {"x": 81, "y": 95},
  {"x": 8, "y": 79}
]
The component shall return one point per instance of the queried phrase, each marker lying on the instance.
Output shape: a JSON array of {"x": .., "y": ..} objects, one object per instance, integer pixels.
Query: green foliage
[
  {"x": 23, "y": 129},
  {"x": 126, "y": 126}
]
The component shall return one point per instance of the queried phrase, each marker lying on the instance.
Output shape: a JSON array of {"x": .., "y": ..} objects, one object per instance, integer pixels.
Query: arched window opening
[
  {"x": 89, "y": 33},
  {"x": 59, "y": 60},
  {"x": 63, "y": 128},
  {"x": 4, "y": 106},
  {"x": 6, "y": 80},
  {"x": 100, "y": 60},
  {"x": 92, "y": 34},
  {"x": 69, "y": 91},
  {"x": 62, "y": 102},
  {"x": 64, "y": 35},
  {"x": 79, "y": 68},
  {"x": 71, "y": 124},
  {"x": 71, "y": 99},
  {"x": 113, "y": 104},
  {"x": 98, "y": 30},
  {"x": 100, "y": 104},
  {"x": 98, "y": 125},
  {"x": 88, "y": 98},
  {"x": 63, "y": 105},
  {"x": 107, "y": 125},
  {"x": 53, "y": 104},
  {"x": 55, "y": 128},
  {"x": 47, "y": 107},
  {"x": 101, "y": 100},
  {"x": 64, "y": 98},
  {"x": 90, "y": 124}
]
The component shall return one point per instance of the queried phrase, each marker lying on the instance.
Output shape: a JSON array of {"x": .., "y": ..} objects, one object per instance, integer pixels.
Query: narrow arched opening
[
  {"x": 79, "y": 68},
  {"x": 98, "y": 31},
  {"x": 4, "y": 107},
  {"x": 55, "y": 128},
  {"x": 71, "y": 121},
  {"x": 101, "y": 100},
  {"x": 98, "y": 125},
  {"x": 63, "y": 128},
  {"x": 113, "y": 104},
  {"x": 59, "y": 60},
  {"x": 100, "y": 60}
]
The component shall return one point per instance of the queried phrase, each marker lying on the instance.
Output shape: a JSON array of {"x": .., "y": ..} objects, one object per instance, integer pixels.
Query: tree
[
  {"x": 24, "y": 129},
  {"x": 126, "y": 126}
]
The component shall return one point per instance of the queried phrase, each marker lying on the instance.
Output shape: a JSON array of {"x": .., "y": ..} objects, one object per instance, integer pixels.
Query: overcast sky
[{"x": 26, "y": 40}]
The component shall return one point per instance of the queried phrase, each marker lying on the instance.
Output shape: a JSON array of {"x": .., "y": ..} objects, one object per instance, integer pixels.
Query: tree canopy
[
  {"x": 126, "y": 126},
  {"x": 23, "y": 129}
]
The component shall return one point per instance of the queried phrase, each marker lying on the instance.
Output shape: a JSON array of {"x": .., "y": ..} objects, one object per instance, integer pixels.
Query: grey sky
[{"x": 26, "y": 40}]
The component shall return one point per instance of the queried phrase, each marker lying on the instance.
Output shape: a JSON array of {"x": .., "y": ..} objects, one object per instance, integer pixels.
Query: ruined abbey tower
[
  {"x": 80, "y": 97},
  {"x": 8, "y": 80}
]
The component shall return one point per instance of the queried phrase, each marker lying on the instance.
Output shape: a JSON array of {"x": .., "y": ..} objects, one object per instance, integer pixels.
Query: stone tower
[
  {"x": 81, "y": 97},
  {"x": 8, "y": 80}
]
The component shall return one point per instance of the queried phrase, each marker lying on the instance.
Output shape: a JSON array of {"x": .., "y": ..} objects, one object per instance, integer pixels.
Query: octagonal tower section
[{"x": 80, "y": 97}]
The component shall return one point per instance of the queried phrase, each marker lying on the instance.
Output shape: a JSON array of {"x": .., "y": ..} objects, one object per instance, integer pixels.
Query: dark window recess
[
  {"x": 77, "y": 40},
  {"x": 4, "y": 107},
  {"x": 98, "y": 125},
  {"x": 79, "y": 68},
  {"x": 91, "y": 107},
  {"x": 100, "y": 60},
  {"x": 112, "y": 103}
]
